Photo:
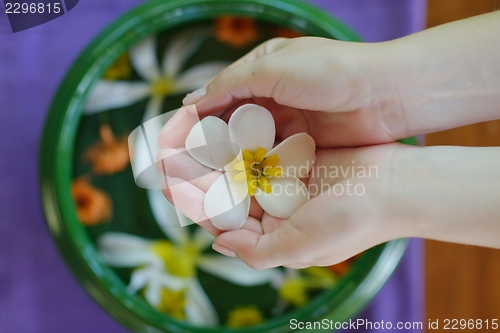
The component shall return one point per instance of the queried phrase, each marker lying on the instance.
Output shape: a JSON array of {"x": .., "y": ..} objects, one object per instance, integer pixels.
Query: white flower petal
[
  {"x": 142, "y": 159},
  {"x": 251, "y": 127},
  {"x": 287, "y": 195},
  {"x": 153, "y": 109},
  {"x": 139, "y": 279},
  {"x": 208, "y": 142},
  {"x": 174, "y": 283},
  {"x": 297, "y": 154},
  {"x": 199, "y": 309},
  {"x": 234, "y": 270},
  {"x": 119, "y": 241},
  {"x": 197, "y": 76},
  {"x": 124, "y": 250},
  {"x": 226, "y": 203},
  {"x": 167, "y": 217},
  {"x": 181, "y": 48},
  {"x": 106, "y": 95},
  {"x": 202, "y": 238},
  {"x": 152, "y": 293},
  {"x": 143, "y": 58},
  {"x": 143, "y": 145},
  {"x": 281, "y": 276},
  {"x": 153, "y": 280},
  {"x": 129, "y": 258}
]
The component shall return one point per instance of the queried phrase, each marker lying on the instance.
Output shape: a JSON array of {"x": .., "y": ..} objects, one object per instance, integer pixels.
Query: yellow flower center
[
  {"x": 256, "y": 169},
  {"x": 173, "y": 303},
  {"x": 244, "y": 316},
  {"x": 162, "y": 86},
  {"x": 294, "y": 291},
  {"x": 179, "y": 260},
  {"x": 120, "y": 69}
]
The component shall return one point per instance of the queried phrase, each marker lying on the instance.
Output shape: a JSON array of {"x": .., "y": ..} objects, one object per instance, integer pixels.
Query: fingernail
[
  {"x": 223, "y": 250},
  {"x": 195, "y": 96}
]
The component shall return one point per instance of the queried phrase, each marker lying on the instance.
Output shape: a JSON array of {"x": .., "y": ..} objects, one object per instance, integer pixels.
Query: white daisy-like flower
[
  {"x": 173, "y": 264},
  {"x": 250, "y": 165},
  {"x": 159, "y": 81}
]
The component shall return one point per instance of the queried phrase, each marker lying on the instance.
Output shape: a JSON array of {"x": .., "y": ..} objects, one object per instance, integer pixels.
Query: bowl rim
[{"x": 56, "y": 166}]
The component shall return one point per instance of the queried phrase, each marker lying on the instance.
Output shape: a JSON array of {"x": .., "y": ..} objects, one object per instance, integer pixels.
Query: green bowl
[{"x": 67, "y": 133}]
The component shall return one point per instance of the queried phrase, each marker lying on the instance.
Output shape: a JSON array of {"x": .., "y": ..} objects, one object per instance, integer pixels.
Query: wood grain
[{"x": 462, "y": 282}]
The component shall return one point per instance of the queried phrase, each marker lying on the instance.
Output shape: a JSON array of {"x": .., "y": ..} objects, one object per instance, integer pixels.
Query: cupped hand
[
  {"x": 351, "y": 209},
  {"x": 312, "y": 85},
  {"x": 293, "y": 77}
]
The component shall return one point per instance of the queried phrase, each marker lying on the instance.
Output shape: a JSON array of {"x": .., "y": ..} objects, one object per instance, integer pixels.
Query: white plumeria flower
[
  {"x": 172, "y": 264},
  {"x": 252, "y": 167},
  {"x": 160, "y": 82}
]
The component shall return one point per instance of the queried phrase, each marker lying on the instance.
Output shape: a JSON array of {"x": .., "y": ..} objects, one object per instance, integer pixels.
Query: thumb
[{"x": 250, "y": 76}]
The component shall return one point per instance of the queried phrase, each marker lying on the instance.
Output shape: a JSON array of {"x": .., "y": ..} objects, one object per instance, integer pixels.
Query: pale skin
[{"x": 356, "y": 100}]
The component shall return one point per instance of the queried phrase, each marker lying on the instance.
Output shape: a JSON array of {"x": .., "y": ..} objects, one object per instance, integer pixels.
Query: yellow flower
[
  {"x": 295, "y": 288},
  {"x": 294, "y": 291},
  {"x": 180, "y": 260},
  {"x": 158, "y": 79},
  {"x": 243, "y": 316},
  {"x": 162, "y": 86},
  {"x": 173, "y": 303},
  {"x": 256, "y": 169},
  {"x": 166, "y": 270},
  {"x": 120, "y": 69}
]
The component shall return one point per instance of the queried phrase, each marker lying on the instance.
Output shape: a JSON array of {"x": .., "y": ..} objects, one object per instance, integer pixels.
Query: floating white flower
[
  {"x": 243, "y": 150},
  {"x": 172, "y": 264},
  {"x": 108, "y": 94}
]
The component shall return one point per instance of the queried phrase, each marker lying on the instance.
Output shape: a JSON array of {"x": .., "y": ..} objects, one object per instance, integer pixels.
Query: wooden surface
[{"x": 462, "y": 282}]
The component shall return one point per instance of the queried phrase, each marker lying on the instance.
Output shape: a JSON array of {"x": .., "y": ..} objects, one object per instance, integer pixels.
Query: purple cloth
[{"x": 38, "y": 294}]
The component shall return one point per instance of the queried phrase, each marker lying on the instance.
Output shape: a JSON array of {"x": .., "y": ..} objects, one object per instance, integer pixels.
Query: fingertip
[
  {"x": 194, "y": 97},
  {"x": 208, "y": 226},
  {"x": 244, "y": 243},
  {"x": 187, "y": 198},
  {"x": 166, "y": 191},
  {"x": 174, "y": 132},
  {"x": 223, "y": 250}
]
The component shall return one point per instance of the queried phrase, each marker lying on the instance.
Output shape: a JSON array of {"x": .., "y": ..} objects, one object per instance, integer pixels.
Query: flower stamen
[
  {"x": 178, "y": 260},
  {"x": 162, "y": 86},
  {"x": 256, "y": 169}
]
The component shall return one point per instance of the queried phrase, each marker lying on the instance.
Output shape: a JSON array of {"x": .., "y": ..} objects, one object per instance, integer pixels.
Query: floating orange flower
[
  {"x": 93, "y": 206},
  {"x": 108, "y": 155},
  {"x": 235, "y": 31},
  {"x": 287, "y": 33},
  {"x": 343, "y": 267},
  {"x": 340, "y": 269}
]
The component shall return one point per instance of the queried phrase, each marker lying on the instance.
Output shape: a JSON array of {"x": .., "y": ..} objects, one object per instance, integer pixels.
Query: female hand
[
  {"x": 291, "y": 78},
  {"x": 365, "y": 196},
  {"x": 349, "y": 211},
  {"x": 349, "y": 94},
  {"x": 367, "y": 93}
]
